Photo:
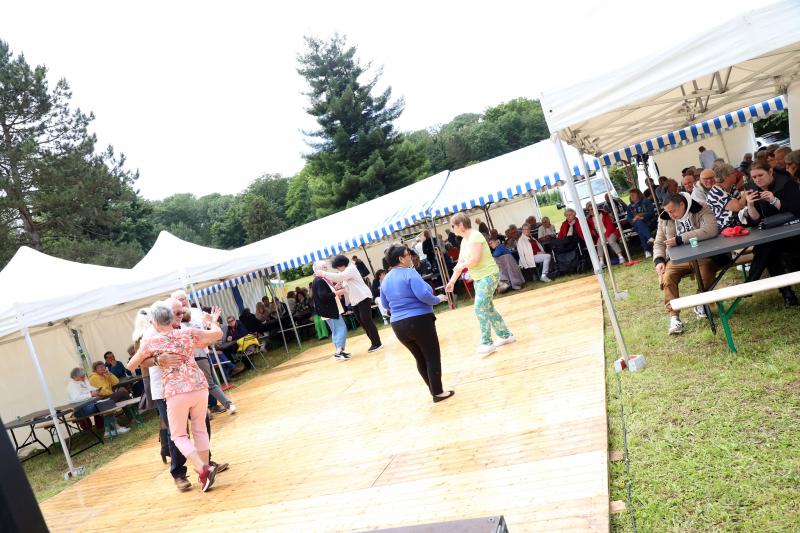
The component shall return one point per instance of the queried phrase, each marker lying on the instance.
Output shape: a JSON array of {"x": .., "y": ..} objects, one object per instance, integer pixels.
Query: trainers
[
  {"x": 232, "y": 408},
  {"x": 183, "y": 484},
  {"x": 218, "y": 409},
  {"x": 122, "y": 429},
  {"x": 486, "y": 349},
  {"x": 647, "y": 254},
  {"x": 700, "y": 311},
  {"x": 374, "y": 348},
  {"x": 675, "y": 325},
  {"x": 545, "y": 279},
  {"x": 341, "y": 357},
  {"x": 207, "y": 477},
  {"x": 220, "y": 467},
  {"x": 508, "y": 340}
]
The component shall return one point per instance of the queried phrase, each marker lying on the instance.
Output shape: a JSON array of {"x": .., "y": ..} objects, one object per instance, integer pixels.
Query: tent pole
[
  {"x": 616, "y": 212},
  {"x": 573, "y": 191},
  {"x": 536, "y": 204},
  {"x": 599, "y": 227},
  {"x": 291, "y": 319},
  {"x": 369, "y": 261},
  {"x": 444, "y": 275},
  {"x": 72, "y": 470},
  {"x": 277, "y": 310},
  {"x": 213, "y": 349}
]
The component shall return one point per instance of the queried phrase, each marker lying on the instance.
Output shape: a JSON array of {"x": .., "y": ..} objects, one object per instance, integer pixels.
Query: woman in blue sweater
[{"x": 410, "y": 301}]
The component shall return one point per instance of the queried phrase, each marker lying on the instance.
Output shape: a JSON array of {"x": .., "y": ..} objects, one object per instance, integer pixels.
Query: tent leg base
[
  {"x": 78, "y": 471},
  {"x": 633, "y": 364},
  {"x": 621, "y": 295}
]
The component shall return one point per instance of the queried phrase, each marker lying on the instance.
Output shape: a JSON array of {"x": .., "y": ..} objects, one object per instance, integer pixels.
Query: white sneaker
[
  {"x": 545, "y": 279},
  {"x": 508, "y": 340},
  {"x": 486, "y": 349},
  {"x": 621, "y": 260},
  {"x": 647, "y": 254},
  {"x": 700, "y": 311},
  {"x": 232, "y": 408},
  {"x": 675, "y": 325},
  {"x": 122, "y": 429}
]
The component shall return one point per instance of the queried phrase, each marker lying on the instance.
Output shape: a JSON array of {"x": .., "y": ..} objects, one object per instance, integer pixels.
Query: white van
[{"x": 598, "y": 188}]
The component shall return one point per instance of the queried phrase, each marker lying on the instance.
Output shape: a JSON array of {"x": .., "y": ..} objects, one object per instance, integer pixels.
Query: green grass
[{"x": 714, "y": 437}]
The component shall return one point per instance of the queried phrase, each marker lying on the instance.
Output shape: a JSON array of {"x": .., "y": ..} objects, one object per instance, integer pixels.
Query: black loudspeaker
[
  {"x": 491, "y": 524},
  {"x": 19, "y": 512}
]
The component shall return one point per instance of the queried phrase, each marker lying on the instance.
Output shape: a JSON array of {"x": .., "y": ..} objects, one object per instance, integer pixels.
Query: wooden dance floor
[{"x": 321, "y": 445}]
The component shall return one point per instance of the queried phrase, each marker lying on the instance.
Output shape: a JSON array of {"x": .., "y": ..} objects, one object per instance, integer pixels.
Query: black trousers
[
  {"x": 418, "y": 334},
  {"x": 778, "y": 257},
  {"x": 363, "y": 312}
]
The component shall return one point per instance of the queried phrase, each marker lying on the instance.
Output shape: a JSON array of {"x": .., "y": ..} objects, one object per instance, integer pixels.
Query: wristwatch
[{"x": 774, "y": 200}]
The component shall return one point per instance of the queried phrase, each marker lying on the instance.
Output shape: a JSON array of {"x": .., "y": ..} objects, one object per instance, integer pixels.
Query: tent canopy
[
  {"x": 501, "y": 178},
  {"x": 737, "y": 64}
]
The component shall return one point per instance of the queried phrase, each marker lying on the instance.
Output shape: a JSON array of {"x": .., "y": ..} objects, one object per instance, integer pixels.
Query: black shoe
[
  {"x": 437, "y": 399},
  {"x": 789, "y": 298},
  {"x": 374, "y": 348}
]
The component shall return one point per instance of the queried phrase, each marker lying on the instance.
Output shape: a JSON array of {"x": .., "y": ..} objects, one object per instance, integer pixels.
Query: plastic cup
[{"x": 693, "y": 242}]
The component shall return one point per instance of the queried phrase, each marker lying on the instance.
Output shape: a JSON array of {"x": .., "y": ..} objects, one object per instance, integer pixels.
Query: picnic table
[
  {"x": 130, "y": 380},
  {"x": 719, "y": 246}
]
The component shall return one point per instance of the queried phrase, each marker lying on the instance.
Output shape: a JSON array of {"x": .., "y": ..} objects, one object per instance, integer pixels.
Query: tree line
[{"x": 62, "y": 195}]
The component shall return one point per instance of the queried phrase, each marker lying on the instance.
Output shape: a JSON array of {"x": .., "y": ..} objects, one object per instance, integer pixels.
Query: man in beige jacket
[{"x": 682, "y": 219}]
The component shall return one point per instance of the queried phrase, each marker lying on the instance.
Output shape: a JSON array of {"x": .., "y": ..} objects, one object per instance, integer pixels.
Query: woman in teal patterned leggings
[{"x": 476, "y": 255}]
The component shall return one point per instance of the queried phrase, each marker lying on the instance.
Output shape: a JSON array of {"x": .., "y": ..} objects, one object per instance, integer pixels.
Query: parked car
[
  {"x": 598, "y": 188},
  {"x": 773, "y": 137}
]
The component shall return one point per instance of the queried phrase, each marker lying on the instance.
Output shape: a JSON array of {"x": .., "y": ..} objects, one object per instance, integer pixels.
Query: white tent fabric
[
  {"x": 348, "y": 229},
  {"x": 739, "y": 63},
  {"x": 65, "y": 289},
  {"x": 501, "y": 178}
]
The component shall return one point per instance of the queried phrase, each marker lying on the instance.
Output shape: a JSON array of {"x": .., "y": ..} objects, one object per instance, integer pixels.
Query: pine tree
[{"x": 357, "y": 149}]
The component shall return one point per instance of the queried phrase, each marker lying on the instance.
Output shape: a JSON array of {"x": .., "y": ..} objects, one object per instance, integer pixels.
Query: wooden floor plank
[{"x": 320, "y": 445}]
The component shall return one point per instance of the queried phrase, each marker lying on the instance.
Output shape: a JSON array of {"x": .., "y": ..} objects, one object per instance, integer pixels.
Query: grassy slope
[{"x": 714, "y": 437}]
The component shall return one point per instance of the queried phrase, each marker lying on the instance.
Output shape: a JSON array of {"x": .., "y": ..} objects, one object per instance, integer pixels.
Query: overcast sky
[{"x": 204, "y": 97}]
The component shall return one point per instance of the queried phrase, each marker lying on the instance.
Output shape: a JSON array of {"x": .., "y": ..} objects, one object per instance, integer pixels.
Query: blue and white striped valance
[
  {"x": 695, "y": 132},
  {"x": 230, "y": 283}
]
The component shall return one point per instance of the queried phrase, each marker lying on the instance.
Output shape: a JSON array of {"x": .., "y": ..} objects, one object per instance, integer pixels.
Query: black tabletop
[
  {"x": 127, "y": 381},
  {"x": 29, "y": 419},
  {"x": 719, "y": 244}
]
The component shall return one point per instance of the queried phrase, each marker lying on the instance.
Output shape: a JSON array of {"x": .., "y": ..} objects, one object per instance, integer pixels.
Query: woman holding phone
[{"x": 771, "y": 194}]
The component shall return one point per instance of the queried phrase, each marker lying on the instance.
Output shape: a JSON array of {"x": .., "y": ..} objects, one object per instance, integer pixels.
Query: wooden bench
[{"x": 735, "y": 293}]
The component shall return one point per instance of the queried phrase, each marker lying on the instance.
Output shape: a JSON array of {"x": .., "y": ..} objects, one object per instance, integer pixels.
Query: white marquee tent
[{"x": 737, "y": 64}]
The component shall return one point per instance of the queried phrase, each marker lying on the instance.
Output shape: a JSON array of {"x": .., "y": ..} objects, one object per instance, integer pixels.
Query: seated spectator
[
  {"x": 114, "y": 366},
  {"x": 661, "y": 190},
  {"x": 277, "y": 309},
  {"x": 641, "y": 216},
  {"x": 724, "y": 200},
  {"x": 302, "y": 308},
  {"x": 422, "y": 266},
  {"x": 688, "y": 182},
  {"x": 262, "y": 315},
  {"x": 251, "y": 323},
  {"x": 511, "y": 238},
  {"x": 80, "y": 390},
  {"x": 672, "y": 187},
  {"x": 682, "y": 219},
  {"x": 533, "y": 224},
  {"x": 744, "y": 166},
  {"x": 776, "y": 194},
  {"x": 482, "y": 227},
  {"x": 610, "y": 232},
  {"x": 777, "y": 160},
  {"x": 547, "y": 232},
  {"x": 104, "y": 381},
  {"x": 531, "y": 252},
  {"x": 428, "y": 247},
  {"x": 621, "y": 206},
  {"x": 793, "y": 164},
  {"x": 649, "y": 188},
  {"x": 496, "y": 235},
  {"x": 704, "y": 184},
  {"x": 290, "y": 301},
  {"x": 232, "y": 331},
  {"x": 452, "y": 238},
  {"x": 498, "y": 248},
  {"x": 451, "y": 251},
  {"x": 570, "y": 227}
]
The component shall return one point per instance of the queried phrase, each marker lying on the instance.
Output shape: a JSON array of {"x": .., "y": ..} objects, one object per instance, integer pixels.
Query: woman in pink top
[{"x": 185, "y": 385}]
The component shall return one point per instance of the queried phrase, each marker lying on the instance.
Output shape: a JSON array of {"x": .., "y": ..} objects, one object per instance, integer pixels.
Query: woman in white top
[
  {"x": 531, "y": 252},
  {"x": 357, "y": 292},
  {"x": 547, "y": 231}
]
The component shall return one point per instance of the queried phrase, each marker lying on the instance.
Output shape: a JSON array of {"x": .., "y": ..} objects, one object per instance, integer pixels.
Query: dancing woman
[
  {"x": 476, "y": 256},
  {"x": 185, "y": 386},
  {"x": 327, "y": 305},
  {"x": 410, "y": 301}
]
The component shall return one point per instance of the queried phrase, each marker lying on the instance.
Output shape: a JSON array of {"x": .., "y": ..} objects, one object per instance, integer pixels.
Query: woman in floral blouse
[{"x": 185, "y": 385}]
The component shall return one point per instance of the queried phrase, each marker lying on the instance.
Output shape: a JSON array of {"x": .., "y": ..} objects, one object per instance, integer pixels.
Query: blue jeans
[
  {"x": 338, "y": 332},
  {"x": 643, "y": 231}
]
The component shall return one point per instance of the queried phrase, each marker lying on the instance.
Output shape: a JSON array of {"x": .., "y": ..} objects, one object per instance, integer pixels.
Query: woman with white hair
[
  {"x": 328, "y": 306},
  {"x": 185, "y": 385}
]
